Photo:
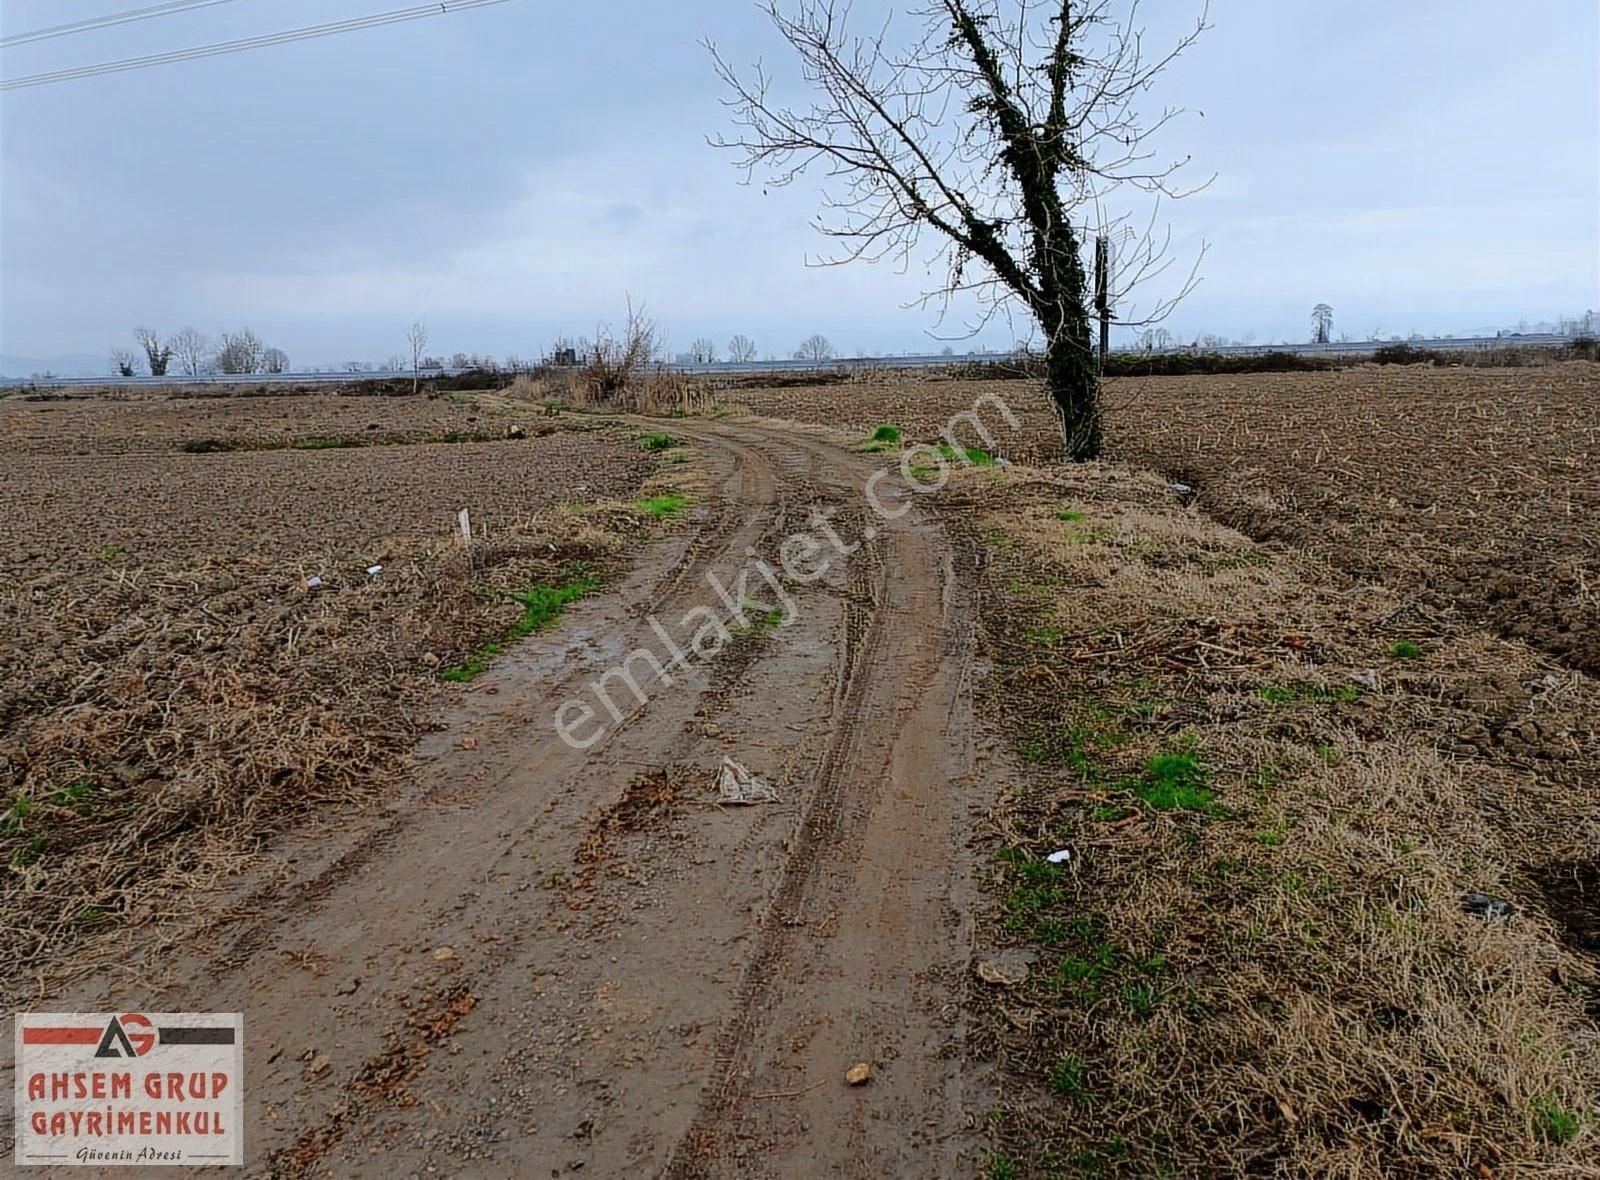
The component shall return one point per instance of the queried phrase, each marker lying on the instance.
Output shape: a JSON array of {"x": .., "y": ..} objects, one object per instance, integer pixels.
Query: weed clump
[
  {"x": 541, "y": 607},
  {"x": 663, "y": 507}
]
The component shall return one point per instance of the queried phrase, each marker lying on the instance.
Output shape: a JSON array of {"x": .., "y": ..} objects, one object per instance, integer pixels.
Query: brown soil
[
  {"x": 170, "y": 682},
  {"x": 525, "y": 959},
  {"x": 1471, "y": 492},
  {"x": 111, "y": 425}
]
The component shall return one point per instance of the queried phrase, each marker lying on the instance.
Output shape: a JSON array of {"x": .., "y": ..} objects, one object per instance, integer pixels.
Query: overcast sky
[{"x": 511, "y": 173}]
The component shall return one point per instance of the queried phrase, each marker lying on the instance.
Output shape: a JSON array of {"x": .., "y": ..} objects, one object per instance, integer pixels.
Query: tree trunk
[{"x": 1074, "y": 388}]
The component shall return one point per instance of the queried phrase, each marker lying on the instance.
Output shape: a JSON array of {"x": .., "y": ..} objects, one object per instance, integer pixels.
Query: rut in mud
[{"x": 496, "y": 976}]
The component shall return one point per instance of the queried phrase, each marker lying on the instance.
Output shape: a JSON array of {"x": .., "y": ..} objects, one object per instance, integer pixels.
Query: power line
[
  {"x": 306, "y": 33},
  {"x": 105, "y": 22}
]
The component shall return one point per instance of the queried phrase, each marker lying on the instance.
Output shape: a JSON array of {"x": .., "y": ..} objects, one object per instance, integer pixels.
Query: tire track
[{"x": 838, "y": 813}]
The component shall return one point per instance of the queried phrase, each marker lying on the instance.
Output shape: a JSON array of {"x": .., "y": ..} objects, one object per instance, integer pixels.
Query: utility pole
[{"x": 1102, "y": 294}]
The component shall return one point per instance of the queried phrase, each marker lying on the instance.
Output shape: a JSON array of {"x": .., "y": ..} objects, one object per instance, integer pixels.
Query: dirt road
[{"x": 542, "y": 959}]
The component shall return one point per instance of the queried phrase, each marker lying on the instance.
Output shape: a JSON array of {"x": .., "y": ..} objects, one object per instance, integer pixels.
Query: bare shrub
[
  {"x": 627, "y": 373},
  {"x": 612, "y": 364}
]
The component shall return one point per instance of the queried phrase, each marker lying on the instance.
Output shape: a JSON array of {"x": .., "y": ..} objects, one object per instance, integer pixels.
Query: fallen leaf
[
  {"x": 469, "y": 743},
  {"x": 444, "y": 954},
  {"x": 317, "y": 1067},
  {"x": 858, "y": 1074}
]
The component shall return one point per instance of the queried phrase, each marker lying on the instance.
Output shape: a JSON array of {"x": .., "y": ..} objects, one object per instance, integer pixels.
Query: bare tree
[
  {"x": 158, "y": 355},
  {"x": 742, "y": 349},
  {"x": 814, "y": 348},
  {"x": 122, "y": 360},
  {"x": 192, "y": 348},
  {"x": 1155, "y": 340},
  {"x": 240, "y": 352},
  {"x": 274, "y": 360},
  {"x": 703, "y": 350},
  {"x": 417, "y": 338},
  {"x": 1321, "y": 324},
  {"x": 996, "y": 128}
]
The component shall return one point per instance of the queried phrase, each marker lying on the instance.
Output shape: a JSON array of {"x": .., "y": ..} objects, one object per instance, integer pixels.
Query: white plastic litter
[
  {"x": 1060, "y": 856},
  {"x": 1182, "y": 489},
  {"x": 374, "y": 570},
  {"x": 313, "y": 583},
  {"x": 735, "y": 784}
]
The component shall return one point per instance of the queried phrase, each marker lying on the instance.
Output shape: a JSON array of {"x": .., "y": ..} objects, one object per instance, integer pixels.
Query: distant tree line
[{"x": 194, "y": 353}]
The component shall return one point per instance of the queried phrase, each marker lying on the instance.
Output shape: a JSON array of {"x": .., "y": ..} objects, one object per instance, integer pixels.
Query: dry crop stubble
[
  {"x": 1257, "y": 958},
  {"x": 174, "y": 692}
]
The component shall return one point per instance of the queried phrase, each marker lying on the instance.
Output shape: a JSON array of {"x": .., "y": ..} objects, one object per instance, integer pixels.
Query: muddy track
[{"x": 677, "y": 995}]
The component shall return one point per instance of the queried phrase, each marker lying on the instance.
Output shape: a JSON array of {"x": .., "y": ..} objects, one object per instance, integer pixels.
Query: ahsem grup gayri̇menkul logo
[{"x": 157, "y": 1088}]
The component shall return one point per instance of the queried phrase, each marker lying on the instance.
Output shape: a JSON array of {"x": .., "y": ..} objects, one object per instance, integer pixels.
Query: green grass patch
[
  {"x": 1553, "y": 1122},
  {"x": 1404, "y": 649},
  {"x": 541, "y": 607},
  {"x": 29, "y": 853},
  {"x": 1050, "y": 931},
  {"x": 1093, "y": 534},
  {"x": 886, "y": 432},
  {"x": 1070, "y": 515},
  {"x": 1079, "y": 976},
  {"x": 1139, "y": 999},
  {"x": 657, "y": 442},
  {"x": 1002, "y": 1167},
  {"x": 74, "y": 795},
  {"x": 1092, "y": 732},
  {"x": 663, "y": 507},
  {"x": 16, "y": 815},
  {"x": 1176, "y": 782},
  {"x": 1037, "y": 887},
  {"x": 110, "y": 552},
  {"x": 1108, "y": 813},
  {"x": 969, "y": 455},
  {"x": 1296, "y": 694},
  {"x": 761, "y": 619},
  {"x": 1069, "y": 1079}
]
